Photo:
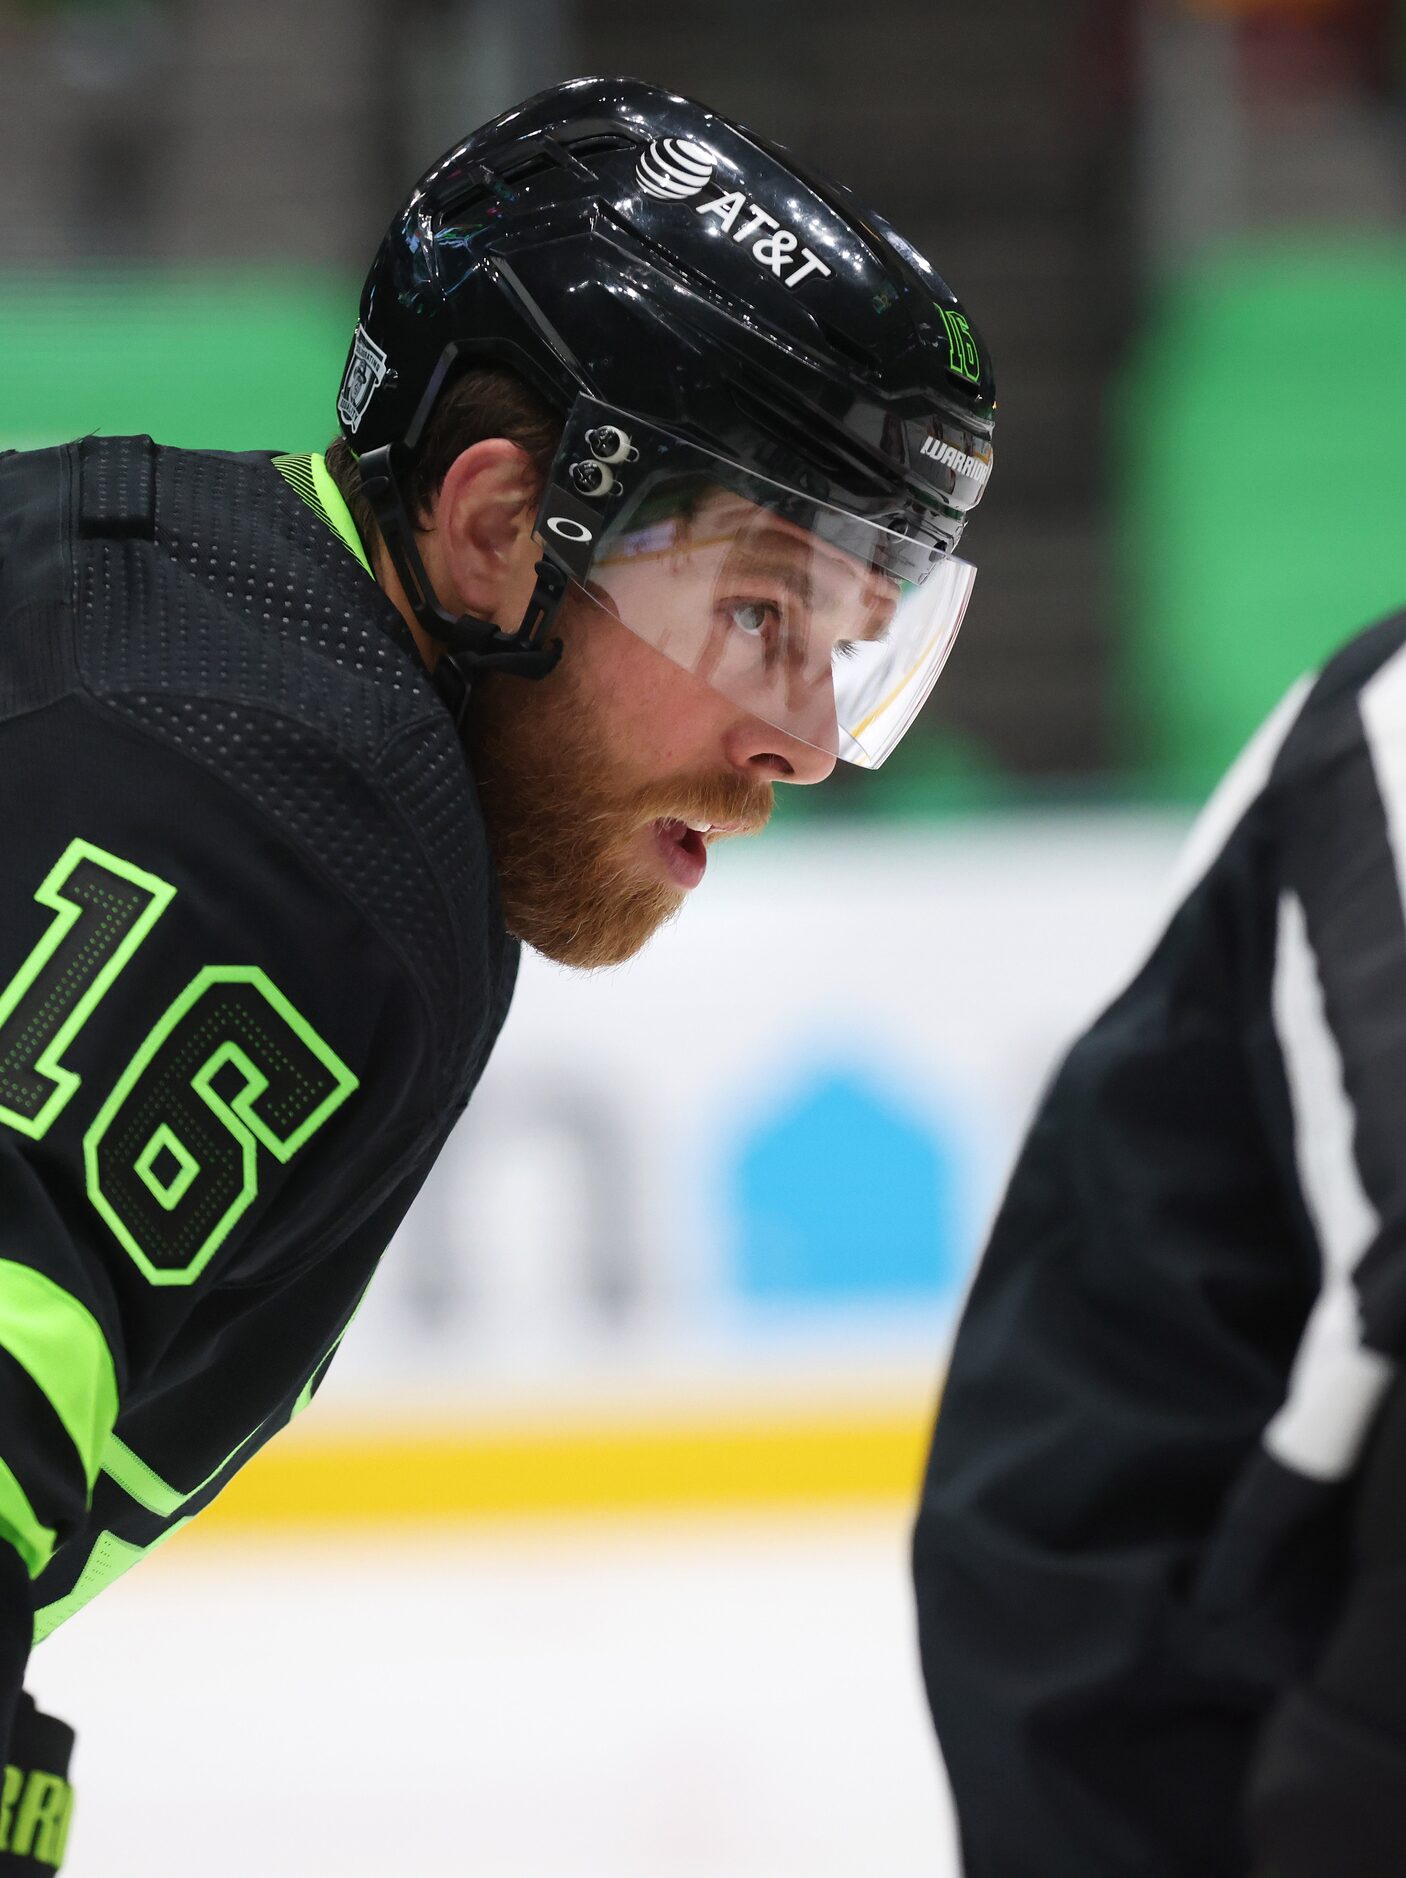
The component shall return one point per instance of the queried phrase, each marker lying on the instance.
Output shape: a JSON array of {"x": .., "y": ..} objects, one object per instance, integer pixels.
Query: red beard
[{"x": 565, "y": 827}]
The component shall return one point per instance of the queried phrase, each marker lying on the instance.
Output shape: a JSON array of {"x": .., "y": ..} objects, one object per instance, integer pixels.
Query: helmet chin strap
[{"x": 470, "y": 645}]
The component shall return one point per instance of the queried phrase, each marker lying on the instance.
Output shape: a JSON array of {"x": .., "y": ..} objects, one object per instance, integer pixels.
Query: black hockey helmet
[{"x": 714, "y": 322}]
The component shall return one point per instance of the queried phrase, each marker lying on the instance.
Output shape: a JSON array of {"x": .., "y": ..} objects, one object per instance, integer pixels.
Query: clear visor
[{"x": 826, "y": 626}]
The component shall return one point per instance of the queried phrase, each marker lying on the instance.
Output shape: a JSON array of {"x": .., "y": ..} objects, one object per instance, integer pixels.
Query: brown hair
[{"x": 485, "y": 401}]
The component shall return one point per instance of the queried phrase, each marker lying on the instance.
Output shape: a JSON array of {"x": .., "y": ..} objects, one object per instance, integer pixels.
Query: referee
[{"x": 1161, "y": 1554}]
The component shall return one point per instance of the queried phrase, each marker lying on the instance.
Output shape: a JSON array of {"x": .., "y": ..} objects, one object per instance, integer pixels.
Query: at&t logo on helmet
[
  {"x": 775, "y": 247},
  {"x": 675, "y": 168}
]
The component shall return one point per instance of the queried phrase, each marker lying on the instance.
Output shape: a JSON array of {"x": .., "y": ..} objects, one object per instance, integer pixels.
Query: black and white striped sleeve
[
  {"x": 1146, "y": 1647},
  {"x": 1339, "y": 1005},
  {"x": 1331, "y": 1770},
  {"x": 1127, "y": 1339}
]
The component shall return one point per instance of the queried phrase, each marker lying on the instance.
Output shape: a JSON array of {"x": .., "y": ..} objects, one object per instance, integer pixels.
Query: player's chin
[{"x": 607, "y": 925}]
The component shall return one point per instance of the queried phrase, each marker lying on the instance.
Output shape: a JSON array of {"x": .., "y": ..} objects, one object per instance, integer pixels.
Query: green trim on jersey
[
  {"x": 146, "y": 1486},
  {"x": 59, "y": 1343},
  {"x": 111, "y": 1556},
  {"x": 21, "y": 1525},
  {"x": 309, "y": 477},
  {"x": 143, "y": 1483},
  {"x": 148, "y": 1489},
  {"x": 108, "y": 1560}
]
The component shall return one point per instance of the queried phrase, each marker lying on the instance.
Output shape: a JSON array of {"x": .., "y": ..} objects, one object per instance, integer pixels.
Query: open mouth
[{"x": 684, "y": 850}]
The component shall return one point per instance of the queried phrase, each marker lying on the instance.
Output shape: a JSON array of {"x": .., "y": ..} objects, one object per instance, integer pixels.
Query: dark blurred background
[{"x": 1178, "y": 224}]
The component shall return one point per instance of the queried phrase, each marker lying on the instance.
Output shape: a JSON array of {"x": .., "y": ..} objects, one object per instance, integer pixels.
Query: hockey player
[
  {"x": 656, "y": 451},
  {"x": 1161, "y": 1555}
]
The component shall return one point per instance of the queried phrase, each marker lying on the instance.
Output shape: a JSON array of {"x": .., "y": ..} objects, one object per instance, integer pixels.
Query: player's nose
[{"x": 767, "y": 754}]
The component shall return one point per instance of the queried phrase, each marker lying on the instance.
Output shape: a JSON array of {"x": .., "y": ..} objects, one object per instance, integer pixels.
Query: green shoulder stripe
[
  {"x": 108, "y": 1560},
  {"x": 309, "y": 477},
  {"x": 21, "y": 1525},
  {"x": 59, "y": 1342},
  {"x": 144, "y": 1484}
]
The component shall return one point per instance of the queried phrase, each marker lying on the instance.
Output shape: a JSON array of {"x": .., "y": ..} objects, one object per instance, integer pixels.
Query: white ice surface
[{"x": 682, "y": 1700}]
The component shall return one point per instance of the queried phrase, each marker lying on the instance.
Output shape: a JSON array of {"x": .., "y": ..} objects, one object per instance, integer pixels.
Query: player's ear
[{"x": 483, "y": 516}]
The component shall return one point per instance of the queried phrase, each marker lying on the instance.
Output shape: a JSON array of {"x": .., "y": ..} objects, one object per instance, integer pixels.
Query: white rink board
[
  {"x": 686, "y": 1701},
  {"x": 579, "y": 1231}
]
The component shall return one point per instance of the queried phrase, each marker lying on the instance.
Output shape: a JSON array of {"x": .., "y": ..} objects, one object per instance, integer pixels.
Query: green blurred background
[{"x": 1179, "y": 224}]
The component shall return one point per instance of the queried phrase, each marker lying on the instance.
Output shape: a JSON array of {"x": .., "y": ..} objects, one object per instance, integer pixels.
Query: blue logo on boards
[{"x": 845, "y": 1195}]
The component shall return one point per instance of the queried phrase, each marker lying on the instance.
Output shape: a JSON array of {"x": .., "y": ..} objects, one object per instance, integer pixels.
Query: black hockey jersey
[
  {"x": 1134, "y": 1531},
  {"x": 251, "y": 966}
]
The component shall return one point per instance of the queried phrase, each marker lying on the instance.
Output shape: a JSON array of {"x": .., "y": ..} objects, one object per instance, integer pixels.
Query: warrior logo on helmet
[
  {"x": 674, "y": 168},
  {"x": 365, "y": 370}
]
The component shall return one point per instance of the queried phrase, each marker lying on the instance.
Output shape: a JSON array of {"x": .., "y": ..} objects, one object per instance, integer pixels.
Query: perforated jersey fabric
[
  {"x": 218, "y": 1099},
  {"x": 272, "y": 656}
]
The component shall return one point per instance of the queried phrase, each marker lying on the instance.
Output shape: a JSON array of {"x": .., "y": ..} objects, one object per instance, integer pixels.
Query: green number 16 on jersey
[
  {"x": 229, "y": 1069},
  {"x": 103, "y": 909}
]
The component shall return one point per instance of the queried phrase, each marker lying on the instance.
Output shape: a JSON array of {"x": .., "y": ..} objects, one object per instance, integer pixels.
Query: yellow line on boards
[{"x": 373, "y": 1478}]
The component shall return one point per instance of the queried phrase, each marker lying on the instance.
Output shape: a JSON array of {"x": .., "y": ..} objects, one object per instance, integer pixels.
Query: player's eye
[
  {"x": 845, "y": 649},
  {"x": 753, "y": 617},
  {"x": 762, "y": 622}
]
